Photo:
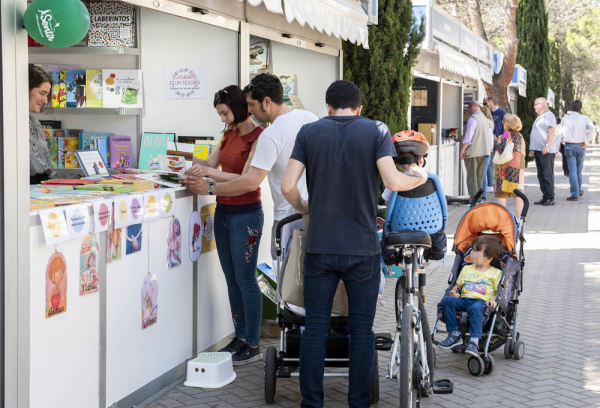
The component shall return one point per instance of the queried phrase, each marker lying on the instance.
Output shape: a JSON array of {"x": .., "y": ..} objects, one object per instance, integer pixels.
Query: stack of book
[
  {"x": 35, "y": 204},
  {"x": 117, "y": 188}
]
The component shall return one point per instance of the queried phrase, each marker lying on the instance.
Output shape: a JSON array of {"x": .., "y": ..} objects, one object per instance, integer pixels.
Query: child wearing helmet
[{"x": 412, "y": 149}]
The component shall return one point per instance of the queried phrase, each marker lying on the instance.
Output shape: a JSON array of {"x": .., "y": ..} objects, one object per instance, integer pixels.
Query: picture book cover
[
  {"x": 101, "y": 144},
  {"x": 88, "y": 278},
  {"x": 51, "y": 124},
  {"x": 172, "y": 163},
  {"x": 202, "y": 150},
  {"x": 71, "y": 144},
  {"x": 134, "y": 239},
  {"x": 60, "y": 134},
  {"x": 174, "y": 243},
  {"x": 288, "y": 82},
  {"x": 85, "y": 141},
  {"x": 122, "y": 88},
  {"x": 56, "y": 285},
  {"x": 259, "y": 54},
  {"x": 112, "y": 24},
  {"x": 120, "y": 151},
  {"x": 149, "y": 301},
  {"x": 59, "y": 90},
  {"x": 194, "y": 236},
  {"x": 52, "y": 148},
  {"x": 75, "y": 89},
  {"x": 152, "y": 145},
  {"x": 93, "y": 88}
]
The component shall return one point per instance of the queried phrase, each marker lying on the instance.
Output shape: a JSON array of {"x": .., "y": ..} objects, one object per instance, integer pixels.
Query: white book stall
[{"x": 108, "y": 321}]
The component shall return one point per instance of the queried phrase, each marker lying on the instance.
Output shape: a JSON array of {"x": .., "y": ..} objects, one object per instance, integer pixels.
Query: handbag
[{"x": 507, "y": 153}]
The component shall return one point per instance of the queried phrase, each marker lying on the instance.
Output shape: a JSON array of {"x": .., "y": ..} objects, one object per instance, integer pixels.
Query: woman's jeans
[
  {"x": 361, "y": 276},
  {"x": 238, "y": 238},
  {"x": 575, "y": 155},
  {"x": 474, "y": 307}
]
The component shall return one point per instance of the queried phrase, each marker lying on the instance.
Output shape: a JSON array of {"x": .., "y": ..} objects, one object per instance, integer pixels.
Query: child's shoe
[
  {"x": 472, "y": 348},
  {"x": 452, "y": 340}
]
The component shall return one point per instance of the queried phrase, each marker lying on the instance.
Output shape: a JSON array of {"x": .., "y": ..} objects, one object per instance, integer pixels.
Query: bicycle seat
[{"x": 408, "y": 237}]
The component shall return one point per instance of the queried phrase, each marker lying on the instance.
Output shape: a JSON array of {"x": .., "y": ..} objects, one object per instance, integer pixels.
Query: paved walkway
[{"x": 558, "y": 320}]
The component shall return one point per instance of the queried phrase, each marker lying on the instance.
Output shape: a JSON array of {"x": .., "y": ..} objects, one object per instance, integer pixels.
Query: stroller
[
  {"x": 291, "y": 321},
  {"x": 499, "y": 323}
]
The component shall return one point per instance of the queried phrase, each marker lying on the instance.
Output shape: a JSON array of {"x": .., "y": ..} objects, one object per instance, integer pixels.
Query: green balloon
[{"x": 57, "y": 23}]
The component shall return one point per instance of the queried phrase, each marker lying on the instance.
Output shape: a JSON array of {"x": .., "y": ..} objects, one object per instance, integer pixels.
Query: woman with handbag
[{"x": 510, "y": 163}]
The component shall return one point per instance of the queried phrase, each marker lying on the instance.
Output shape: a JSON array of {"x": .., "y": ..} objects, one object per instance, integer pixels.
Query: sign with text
[
  {"x": 78, "y": 221},
  {"x": 54, "y": 226},
  {"x": 185, "y": 82},
  {"x": 101, "y": 214}
]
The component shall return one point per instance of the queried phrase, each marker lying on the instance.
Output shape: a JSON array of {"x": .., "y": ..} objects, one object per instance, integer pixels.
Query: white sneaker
[{"x": 490, "y": 189}]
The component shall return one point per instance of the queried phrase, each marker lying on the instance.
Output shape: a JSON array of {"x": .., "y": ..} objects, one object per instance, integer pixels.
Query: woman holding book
[
  {"x": 238, "y": 221},
  {"x": 40, "y": 166}
]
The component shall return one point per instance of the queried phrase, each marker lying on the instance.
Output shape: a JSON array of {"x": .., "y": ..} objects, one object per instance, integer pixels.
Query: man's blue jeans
[
  {"x": 575, "y": 156},
  {"x": 238, "y": 238},
  {"x": 474, "y": 307},
  {"x": 361, "y": 278},
  {"x": 488, "y": 175}
]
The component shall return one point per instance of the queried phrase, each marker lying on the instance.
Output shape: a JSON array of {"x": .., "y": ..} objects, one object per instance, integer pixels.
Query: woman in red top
[{"x": 238, "y": 222}]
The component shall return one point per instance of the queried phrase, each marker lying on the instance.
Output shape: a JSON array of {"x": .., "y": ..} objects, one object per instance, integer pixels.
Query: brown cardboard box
[
  {"x": 270, "y": 329},
  {"x": 428, "y": 130}
]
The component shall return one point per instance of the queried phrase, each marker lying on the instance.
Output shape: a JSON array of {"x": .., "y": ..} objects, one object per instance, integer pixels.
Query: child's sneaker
[
  {"x": 246, "y": 355},
  {"x": 472, "y": 348},
  {"x": 452, "y": 340}
]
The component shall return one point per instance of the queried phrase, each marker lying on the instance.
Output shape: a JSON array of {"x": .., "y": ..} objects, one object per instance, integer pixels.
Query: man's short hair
[
  {"x": 475, "y": 104},
  {"x": 342, "y": 95},
  {"x": 576, "y": 106},
  {"x": 488, "y": 99},
  {"x": 491, "y": 246},
  {"x": 265, "y": 85}
]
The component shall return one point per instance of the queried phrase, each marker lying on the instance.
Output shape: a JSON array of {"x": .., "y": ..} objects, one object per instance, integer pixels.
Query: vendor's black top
[{"x": 340, "y": 154}]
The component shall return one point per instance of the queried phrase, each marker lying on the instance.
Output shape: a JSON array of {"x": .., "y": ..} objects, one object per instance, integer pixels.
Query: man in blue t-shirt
[
  {"x": 498, "y": 115},
  {"x": 343, "y": 153}
]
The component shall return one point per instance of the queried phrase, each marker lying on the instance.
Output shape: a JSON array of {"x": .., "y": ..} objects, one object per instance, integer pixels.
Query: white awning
[
  {"x": 471, "y": 69},
  {"x": 486, "y": 74},
  {"x": 450, "y": 60},
  {"x": 274, "y": 6}
]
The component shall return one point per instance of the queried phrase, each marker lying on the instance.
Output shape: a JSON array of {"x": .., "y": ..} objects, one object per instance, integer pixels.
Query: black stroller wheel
[
  {"x": 375, "y": 381},
  {"x": 476, "y": 365},
  {"x": 508, "y": 353},
  {"x": 270, "y": 374},
  {"x": 489, "y": 364},
  {"x": 519, "y": 350}
]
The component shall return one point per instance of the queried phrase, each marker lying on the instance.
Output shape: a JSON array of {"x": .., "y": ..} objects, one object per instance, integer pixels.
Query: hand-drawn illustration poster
[
  {"x": 207, "y": 215},
  {"x": 174, "y": 243},
  {"x": 149, "y": 301},
  {"x": 88, "y": 270},
  {"x": 56, "y": 285},
  {"x": 195, "y": 236},
  {"x": 134, "y": 239},
  {"x": 113, "y": 238}
]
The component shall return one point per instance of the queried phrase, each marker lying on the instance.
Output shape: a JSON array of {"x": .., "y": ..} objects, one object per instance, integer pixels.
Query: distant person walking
[
  {"x": 541, "y": 147},
  {"x": 498, "y": 116},
  {"x": 577, "y": 131},
  {"x": 475, "y": 147},
  {"x": 511, "y": 175},
  {"x": 488, "y": 169}
]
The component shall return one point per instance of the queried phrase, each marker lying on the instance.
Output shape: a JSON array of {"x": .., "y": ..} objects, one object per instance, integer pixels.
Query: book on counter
[
  {"x": 93, "y": 88},
  {"x": 112, "y": 24},
  {"x": 76, "y": 89},
  {"x": 120, "y": 152}
]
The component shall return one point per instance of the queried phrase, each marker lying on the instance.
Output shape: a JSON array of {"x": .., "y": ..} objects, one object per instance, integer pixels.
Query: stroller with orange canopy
[{"x": 499, "y": 323}]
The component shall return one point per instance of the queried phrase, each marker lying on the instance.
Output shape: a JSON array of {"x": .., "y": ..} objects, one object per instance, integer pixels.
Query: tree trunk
[{"x": 498, "y": 90}]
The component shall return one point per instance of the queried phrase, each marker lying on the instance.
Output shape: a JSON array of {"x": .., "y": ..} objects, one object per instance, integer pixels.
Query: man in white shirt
[
  {"x": 274, "y": 147},
  {"x": 576, "y": 132}
]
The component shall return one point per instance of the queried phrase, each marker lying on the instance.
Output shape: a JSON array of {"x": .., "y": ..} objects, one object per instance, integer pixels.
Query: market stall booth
[{"x": 117, "y": 345}]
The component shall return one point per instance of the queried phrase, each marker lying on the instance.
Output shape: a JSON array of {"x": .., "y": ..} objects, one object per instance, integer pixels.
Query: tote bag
[{"x": 507, "y": 154}]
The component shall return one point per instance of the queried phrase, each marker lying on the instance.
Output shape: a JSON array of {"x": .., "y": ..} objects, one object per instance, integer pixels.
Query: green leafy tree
[
  {"x": 534, "y": 56},
  {"x": 555, "y": 75},
  {"x": 383, "y": 72}
]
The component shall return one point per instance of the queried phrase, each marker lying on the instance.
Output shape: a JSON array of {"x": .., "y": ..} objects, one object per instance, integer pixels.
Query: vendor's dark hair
[
  {"x": 233, "y": 97},
  {"x": 37, "y": 76},
  {"x": 343, "y": 94},
  {"x": 576, "y": 106},
  {"x": 265, "y": 85}
]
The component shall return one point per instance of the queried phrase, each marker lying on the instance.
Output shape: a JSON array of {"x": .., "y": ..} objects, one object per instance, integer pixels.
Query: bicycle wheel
[
  {"x": 399, "y": 299},
  {"x": 428, "y": 343},
  {"x": 407, "y": 353}
]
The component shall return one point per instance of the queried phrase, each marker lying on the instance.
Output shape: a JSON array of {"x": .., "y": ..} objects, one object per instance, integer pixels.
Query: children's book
[
  {"x": 93, "y": 88},
  {"x": 152, "y": 145},
  {"x": 50, "y": 124},
  {"x": 170, "y": 163},
  {"x": 75, "y": 89},
  {"x": 62, "y": 89},
  {"x": 122, "y": 88},
  {"x": 120, "y": 151},
  {"x": 202, "y": 150},
  {"x": 73, "y": 133},
  {"x": 259, "y": 54},
  {"x": 59, "y": 134},
  {"x": 296, "y": 102},
  {"x": 101, "y": 143},
  {"x": 288, "y": 82},
  {"x": 193, "y": 139},
  {"x": 112, "y": 24},
  {"x": 71, "y": 145},
  {"x": 56, "y": 89},
  {"x": 85, "y": 141},
  {"x": 53, "y": 149},
  {"x": 50, "y": 68}
]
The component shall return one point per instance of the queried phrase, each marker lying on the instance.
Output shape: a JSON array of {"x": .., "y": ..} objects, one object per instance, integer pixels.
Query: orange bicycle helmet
[{"x": 409, "y": 141}]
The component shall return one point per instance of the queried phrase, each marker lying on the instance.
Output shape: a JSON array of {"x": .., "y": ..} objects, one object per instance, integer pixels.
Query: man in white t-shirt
[{"x": 272, "y": 151}]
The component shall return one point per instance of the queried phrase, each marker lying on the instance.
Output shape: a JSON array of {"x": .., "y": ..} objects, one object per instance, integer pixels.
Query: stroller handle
[
  {"x": 280, "y": 226},
  {"x": 476, "y": 198},
  {"x": 523, "y": 197}
]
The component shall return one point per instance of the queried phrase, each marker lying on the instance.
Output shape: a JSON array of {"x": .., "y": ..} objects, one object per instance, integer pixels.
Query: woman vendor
[{"x": 40, "y": 167}]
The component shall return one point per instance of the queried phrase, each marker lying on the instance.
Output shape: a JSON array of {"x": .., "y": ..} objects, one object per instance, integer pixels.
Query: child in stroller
[{"x": 475, "y": 289}]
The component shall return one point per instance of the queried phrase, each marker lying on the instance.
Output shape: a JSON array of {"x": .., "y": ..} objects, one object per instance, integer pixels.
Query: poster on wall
[
  {"x": 134, "y": 239},
  {"x": 88, "y": 269},
  {"x": 207, "y": 216},
  {"x": 78, "y": 221},
  {"x": 260, "y": 49},
  {"x": 123, "y": 88},
  {"x": 288, "y": 82},
  {"x": 101, "y": 214},
  {"x": 195, "y": 236},
  {"x": 149, "y": 301},
  {"x": 54, "y": 226},
  {"x": 167, "y": 202},
  {"x": 56, "y": 285},
  {"x": 174, "y": 243},
  {"x": 184, "y": 82},
  {"x": 113, "y": 238}
]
